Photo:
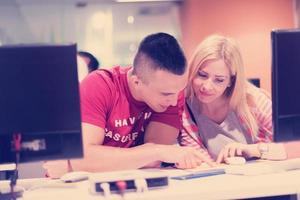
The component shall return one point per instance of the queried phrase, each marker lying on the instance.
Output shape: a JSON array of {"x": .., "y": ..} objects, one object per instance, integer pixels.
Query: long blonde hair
[{"x": 217, "y": 47}]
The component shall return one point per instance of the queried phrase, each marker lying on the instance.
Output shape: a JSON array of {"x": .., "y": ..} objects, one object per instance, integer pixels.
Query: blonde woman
[{"x": 225, "y": 115}]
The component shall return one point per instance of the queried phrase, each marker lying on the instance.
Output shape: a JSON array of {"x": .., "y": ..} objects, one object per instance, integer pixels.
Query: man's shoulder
[
  {"x": 111, "y": 75},
  {"x": 108, "y": 83}
]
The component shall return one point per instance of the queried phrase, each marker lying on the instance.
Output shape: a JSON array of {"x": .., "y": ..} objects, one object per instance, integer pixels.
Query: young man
[{"x": 131, "y": 116}]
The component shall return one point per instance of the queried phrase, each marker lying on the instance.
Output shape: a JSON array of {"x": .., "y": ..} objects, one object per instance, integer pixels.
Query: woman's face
[{"x": 211, "y": 81}]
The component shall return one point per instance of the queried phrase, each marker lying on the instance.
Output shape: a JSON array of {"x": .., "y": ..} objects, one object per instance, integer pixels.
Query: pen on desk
[{"x": 200, "y": 174}]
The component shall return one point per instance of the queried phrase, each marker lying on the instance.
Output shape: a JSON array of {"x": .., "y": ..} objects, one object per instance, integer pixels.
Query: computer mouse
[
  {"x": 75, "y": 176},
  {"x": 236, "y": 160}
]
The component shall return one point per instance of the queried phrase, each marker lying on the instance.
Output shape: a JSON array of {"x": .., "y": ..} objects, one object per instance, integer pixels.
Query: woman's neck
[{"x": 217, "y": 111}]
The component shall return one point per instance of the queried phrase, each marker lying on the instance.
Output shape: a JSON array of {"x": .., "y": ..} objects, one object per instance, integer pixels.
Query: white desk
[{"x": 213, "y": 187}]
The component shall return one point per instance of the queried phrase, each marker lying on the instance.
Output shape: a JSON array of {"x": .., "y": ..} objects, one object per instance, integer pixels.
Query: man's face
[{"x": 161, "y": 89}]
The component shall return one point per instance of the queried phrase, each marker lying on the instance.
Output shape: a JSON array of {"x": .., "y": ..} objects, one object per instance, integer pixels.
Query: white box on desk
[{"x": 153, "y": 179}]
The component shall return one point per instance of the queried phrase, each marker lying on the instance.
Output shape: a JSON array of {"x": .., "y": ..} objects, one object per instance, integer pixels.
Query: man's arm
[
  {"x": 99, "y": 158},
  {"x": 103, "y": 158},
  {"x": 160, "y": 133}
]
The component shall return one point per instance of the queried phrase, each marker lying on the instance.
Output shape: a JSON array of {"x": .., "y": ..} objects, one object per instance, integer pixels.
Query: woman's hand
[{"x": 238, "y": 149}]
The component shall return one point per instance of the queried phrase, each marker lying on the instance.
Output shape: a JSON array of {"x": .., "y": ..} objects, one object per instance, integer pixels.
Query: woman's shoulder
[
  {"x": 254, "y": 93},
  {"x": 258, "y": 99}
]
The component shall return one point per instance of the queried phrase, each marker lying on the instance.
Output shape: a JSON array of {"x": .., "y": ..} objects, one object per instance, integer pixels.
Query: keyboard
[{"x": 264, "y": 167}]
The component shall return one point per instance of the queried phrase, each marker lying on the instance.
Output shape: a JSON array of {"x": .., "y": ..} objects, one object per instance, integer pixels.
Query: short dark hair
[
  {"x": 164, "y": 50},
  {"x": 93, "y": 64}
]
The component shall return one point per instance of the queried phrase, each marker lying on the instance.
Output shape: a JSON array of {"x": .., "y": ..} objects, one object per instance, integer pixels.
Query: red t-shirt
[{"x": 107, "y": 102}]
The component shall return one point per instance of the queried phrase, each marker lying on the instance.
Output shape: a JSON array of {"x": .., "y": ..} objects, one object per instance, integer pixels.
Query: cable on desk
[
  {"x": 141, "y": 185},
  {"x": 16, "y": 143},
  {"x": 106, "y": 189},
  {"x": 122, "y": 186}
]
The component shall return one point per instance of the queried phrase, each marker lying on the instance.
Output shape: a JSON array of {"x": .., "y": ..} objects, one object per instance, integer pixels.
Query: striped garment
[{"x": 261, "y": 108}]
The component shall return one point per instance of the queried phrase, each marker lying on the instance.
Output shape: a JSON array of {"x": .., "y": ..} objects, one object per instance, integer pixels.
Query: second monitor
[
  {"x": 285, "y": 84},
  {"x": 39, "y": 103}
]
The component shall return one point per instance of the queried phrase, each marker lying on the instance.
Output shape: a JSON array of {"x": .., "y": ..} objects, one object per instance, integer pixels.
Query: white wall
[{"x": 99, "y": 28}]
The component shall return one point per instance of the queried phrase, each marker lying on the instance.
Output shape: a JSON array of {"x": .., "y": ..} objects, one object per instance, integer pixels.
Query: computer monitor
[
  {"x": 39, "y": 100},
  {"x": 285, "y": 84},
  {"x": 255, "y": 81}
]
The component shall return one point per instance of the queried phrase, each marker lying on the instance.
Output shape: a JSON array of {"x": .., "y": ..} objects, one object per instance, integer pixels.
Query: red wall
[{"x": 248, "y": 21}]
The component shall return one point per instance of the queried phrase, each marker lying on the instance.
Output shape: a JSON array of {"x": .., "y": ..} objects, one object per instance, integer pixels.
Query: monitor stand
[
  {"x": 9, "y": 191},
  {"x": 7, "y": 194}
]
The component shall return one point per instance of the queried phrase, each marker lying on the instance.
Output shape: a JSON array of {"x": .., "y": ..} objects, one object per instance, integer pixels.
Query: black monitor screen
[
  {"x": 285, "y": 84},
  {"x": 39, "y": 99}
]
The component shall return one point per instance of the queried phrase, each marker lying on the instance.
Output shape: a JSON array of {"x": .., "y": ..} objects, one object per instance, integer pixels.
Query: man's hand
[
  {"x": 183, "y": 157},
  {"x": 55, "y": 169},
  {"x": 238, "y": 149}
]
